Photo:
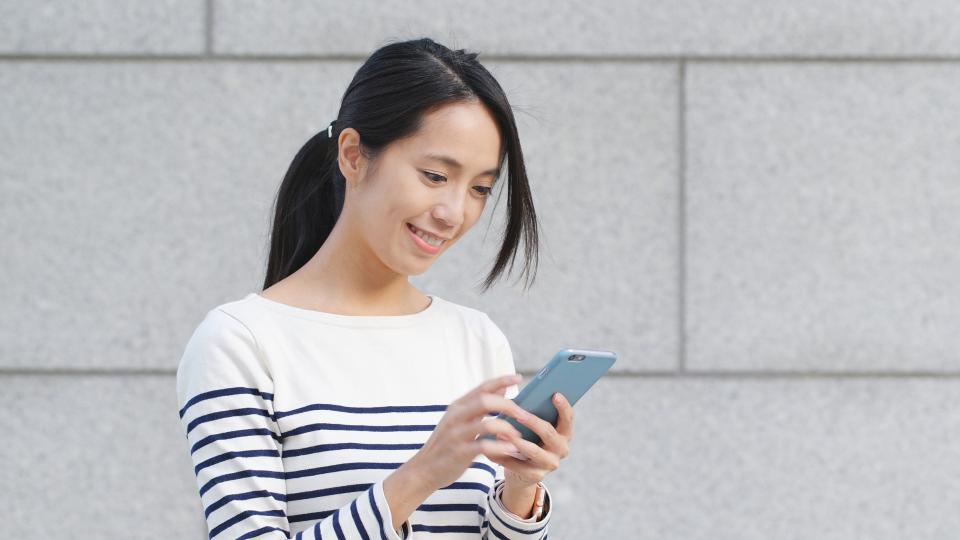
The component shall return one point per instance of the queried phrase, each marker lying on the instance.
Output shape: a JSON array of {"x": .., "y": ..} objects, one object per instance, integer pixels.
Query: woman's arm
[{"x": 405, "y": 489}]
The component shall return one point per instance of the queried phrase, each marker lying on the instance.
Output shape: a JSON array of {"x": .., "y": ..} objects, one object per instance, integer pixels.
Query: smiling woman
[
  {"x": 415, "y": 112},
  {"x": 341, "y": 402},
  {"x": 435, "y": 181}
]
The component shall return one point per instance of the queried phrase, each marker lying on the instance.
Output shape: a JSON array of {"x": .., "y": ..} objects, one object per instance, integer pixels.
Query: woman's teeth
[{"x": 430, "y": 239}]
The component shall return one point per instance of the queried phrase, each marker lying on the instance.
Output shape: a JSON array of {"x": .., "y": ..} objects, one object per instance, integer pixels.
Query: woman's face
[{"x": 412, "y": 185}]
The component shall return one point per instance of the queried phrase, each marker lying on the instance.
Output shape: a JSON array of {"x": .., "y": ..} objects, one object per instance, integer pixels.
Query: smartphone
[{"x": 571, "y": 372}]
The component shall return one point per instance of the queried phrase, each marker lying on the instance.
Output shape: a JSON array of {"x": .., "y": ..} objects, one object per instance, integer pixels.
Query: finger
[
  {"x": 496, "y": 450},
  {"x": 496, "y": 426},
  {"x": 532, "y": 453},
  {"x": 511, "y": 446},
  {"x": 471, "y": 404},
  {"x": 494, "y": 404},
  {"x": 565, "y": 415},
  {"x": 545, "y": 430},
  {"x": 496, "y": 384},
  {"x": 506, "y": 454}
]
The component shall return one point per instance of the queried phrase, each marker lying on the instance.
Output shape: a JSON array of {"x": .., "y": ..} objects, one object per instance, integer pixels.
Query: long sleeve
[
  {"x": 225, "y": 393},
  {"x": 498, "y": 522}
]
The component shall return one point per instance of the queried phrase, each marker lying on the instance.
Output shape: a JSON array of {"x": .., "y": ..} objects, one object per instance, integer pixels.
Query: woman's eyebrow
[{"x": 456, "y": 164}]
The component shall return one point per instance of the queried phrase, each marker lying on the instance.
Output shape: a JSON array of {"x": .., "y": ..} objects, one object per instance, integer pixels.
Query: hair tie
[{"x": 330, "y": 130}]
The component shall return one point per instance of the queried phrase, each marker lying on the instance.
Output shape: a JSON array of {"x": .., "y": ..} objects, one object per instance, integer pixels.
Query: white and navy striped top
[{"x": 294, "y": 417}]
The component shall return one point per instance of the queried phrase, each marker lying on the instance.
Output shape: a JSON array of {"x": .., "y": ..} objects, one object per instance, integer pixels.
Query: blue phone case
[{"x": 571, "y": 372}]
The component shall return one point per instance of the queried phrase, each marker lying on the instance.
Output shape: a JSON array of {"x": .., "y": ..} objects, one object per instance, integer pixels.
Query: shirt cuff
[
  {"x": 498, "y": 490},
  {"x": 382, "y": 508}
]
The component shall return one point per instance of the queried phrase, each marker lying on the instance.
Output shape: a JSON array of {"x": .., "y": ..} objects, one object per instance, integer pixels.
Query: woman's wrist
[
  {"x": 405, "y": 489},
  {"x": 520, "y": 500}
]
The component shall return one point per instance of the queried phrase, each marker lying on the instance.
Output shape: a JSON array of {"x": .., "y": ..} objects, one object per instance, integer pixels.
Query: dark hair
[{"x": 385, "y": 102}]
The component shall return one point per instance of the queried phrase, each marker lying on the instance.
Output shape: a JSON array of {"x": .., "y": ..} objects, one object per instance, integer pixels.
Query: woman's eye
[
  {"x": 482, "y": 190},
  {"x": 434, "y": 177}
]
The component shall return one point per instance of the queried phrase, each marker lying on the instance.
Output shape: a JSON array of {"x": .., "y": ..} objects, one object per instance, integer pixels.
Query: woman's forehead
[{"x": 457, "y": 136}]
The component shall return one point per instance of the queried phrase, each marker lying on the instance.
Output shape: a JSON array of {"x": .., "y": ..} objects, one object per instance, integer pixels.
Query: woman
[{"x": 340, "y": 402}]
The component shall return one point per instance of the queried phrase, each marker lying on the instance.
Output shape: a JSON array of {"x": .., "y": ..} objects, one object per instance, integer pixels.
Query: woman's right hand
[{"x": 454, "y": 443}]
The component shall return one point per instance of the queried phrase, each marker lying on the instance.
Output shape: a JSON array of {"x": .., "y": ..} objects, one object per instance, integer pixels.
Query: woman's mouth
[{"x": 428, "y": 243}]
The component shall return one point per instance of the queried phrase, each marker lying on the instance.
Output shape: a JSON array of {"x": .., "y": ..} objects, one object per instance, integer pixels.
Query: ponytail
[{"x": 308, "y": 204}]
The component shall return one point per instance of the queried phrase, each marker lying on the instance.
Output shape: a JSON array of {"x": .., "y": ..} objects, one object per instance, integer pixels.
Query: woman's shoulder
[
  {"x": 230, "y": 317},
  {"x": 478, "y": 321},
  {"x": 225, "y": 329}
]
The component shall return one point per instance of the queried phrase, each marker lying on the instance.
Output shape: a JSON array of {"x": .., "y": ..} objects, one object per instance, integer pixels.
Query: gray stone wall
[{"x": 756, "y": 204}]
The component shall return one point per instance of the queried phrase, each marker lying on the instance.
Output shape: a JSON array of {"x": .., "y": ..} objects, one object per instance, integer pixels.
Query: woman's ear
[{"x": 349, "y": 158}]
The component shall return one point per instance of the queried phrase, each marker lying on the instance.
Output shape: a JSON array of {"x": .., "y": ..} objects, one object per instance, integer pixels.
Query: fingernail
[{"x": 557, "y": 398}]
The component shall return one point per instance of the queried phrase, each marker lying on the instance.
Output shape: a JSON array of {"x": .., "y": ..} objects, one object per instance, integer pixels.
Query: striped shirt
[{"x": 294, "y": 417}]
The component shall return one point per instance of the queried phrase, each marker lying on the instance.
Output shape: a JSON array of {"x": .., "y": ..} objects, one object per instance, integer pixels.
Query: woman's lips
[{"x": 420, "y": 243}]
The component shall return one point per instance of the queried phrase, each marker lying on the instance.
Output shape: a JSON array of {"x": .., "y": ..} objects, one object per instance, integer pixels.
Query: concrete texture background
[{"x": 756, "y": 204}]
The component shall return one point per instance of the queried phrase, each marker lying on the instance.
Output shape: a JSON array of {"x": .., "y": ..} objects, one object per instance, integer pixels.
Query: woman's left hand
[{"x": 542, "y": 460}]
